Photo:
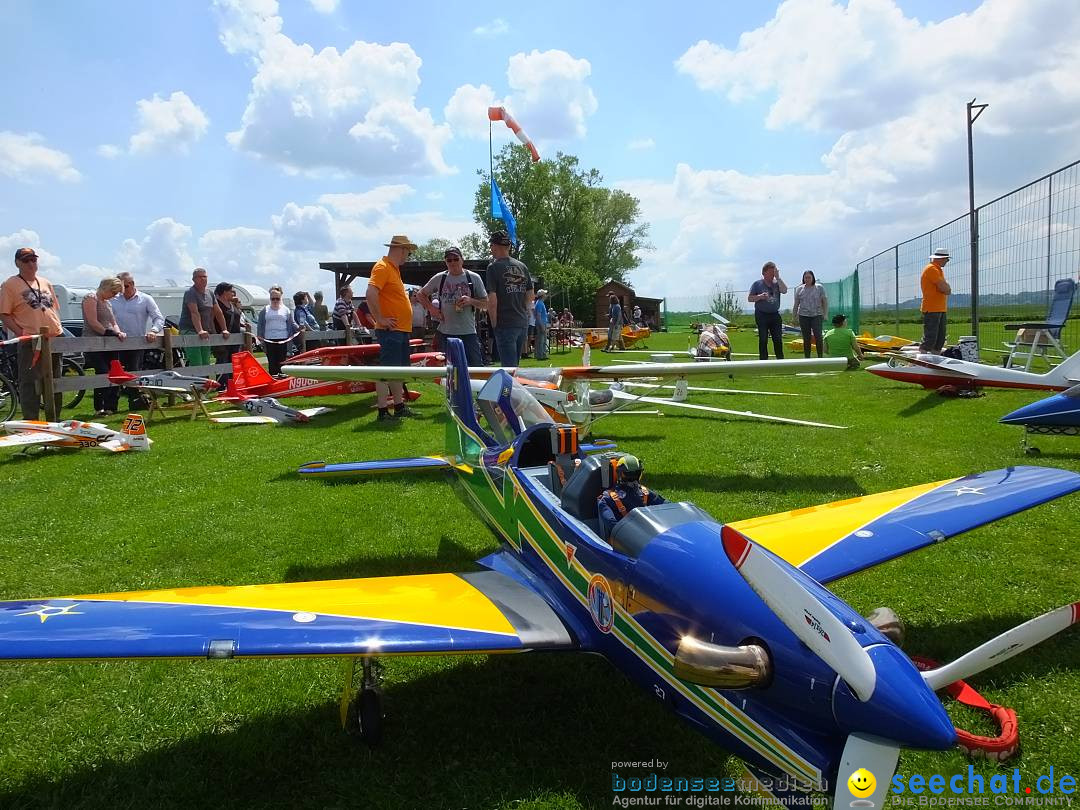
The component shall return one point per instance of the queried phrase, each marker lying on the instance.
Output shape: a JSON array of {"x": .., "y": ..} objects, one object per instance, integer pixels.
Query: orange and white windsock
[{"x": 500, "y": 114}]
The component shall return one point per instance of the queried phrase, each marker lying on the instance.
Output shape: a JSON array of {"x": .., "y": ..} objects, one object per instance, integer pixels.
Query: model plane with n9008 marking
[{"x": 730, "y": 626}]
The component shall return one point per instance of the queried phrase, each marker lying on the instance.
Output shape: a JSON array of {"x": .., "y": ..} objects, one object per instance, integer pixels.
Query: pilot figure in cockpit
[{"x": 626, "y": 494}]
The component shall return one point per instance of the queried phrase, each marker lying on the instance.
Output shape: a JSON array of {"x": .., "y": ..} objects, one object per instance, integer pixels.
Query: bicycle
[{"x": 9, "y": 383}]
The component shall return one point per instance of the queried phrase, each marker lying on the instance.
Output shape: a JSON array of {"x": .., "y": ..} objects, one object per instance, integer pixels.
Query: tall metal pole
[
  {"x": 971, "y": 105},
  {"x": 1049, "y": 226}
]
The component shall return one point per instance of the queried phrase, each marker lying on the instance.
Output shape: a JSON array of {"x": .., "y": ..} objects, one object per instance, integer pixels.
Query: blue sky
[{"x": 257, "y": 138}]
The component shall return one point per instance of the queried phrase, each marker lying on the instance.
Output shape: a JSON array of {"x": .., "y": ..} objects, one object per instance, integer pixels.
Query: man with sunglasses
[
  {"x": 458, "y": 292},
  {"x": 28, "y": 305}
]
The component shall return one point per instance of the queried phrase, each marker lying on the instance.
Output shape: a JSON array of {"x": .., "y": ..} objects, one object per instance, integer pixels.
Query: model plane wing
[
  {"x": 837, "y": 539},
  {"x": 320, "y": 469},
  {"x": 428, "y": 613},
  {"x": 742, "y": 368},
  {"x": 30, "y": 437},
  {"x": 690, "y": 406}
]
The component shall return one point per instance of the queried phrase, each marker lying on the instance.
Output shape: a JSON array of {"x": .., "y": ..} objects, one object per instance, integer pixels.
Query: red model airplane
[
  {"x": 250, "y": 379},
  {"x": 363, "y": 354}
]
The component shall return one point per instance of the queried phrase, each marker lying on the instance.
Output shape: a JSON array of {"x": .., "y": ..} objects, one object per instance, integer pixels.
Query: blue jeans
[
  {"x": 473, "y": 355},
  {"x": 510, "y": 343},
  {"x": 393, "y": 347},
  {"x": 541, "y": 342}
]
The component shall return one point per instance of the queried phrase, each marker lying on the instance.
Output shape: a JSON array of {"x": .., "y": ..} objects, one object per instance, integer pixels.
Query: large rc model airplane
[
  {"x": 268, "y": 411},
  {"x": 566, "y": 394},
  {"x": 729, "y": 626},
  {"x": 934, "y": 371},
  {"x": 250, "y": 380},
  {"x": 75, "y": 434},
  {"x": 1057, "y": 415},
  {"x": 161, "y": 382},
  {"x": 360, "y": 354}
]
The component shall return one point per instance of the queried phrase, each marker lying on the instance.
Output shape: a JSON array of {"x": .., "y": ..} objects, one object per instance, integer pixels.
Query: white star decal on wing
[
  {"x": 46, "y": 612},
  {"x": 968, "y": 491}
]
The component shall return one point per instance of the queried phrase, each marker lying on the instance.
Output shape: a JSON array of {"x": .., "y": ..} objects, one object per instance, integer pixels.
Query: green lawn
[{"x": 222, "y": 504}]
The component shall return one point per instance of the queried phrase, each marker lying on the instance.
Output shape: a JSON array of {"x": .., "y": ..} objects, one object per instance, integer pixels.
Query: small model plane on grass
[
  {"x": 75, "y": 434},
  {"x": 934, "y": 371},
  {"x": 268, "y": 411},
  {"x": 729, "y": 626},
  {"x": 161, "y": 382}
]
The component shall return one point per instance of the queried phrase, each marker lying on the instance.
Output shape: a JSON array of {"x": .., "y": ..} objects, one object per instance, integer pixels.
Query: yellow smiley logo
[{"x": 862, "y": 783}]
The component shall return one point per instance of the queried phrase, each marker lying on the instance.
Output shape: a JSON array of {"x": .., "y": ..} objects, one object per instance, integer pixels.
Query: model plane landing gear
[{"x": 362, "y": 712}]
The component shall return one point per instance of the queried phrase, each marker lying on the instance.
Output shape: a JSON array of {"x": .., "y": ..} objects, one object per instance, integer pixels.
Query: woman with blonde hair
[
  {"x": 276, "y": 328},
  {"x": 98, "y": 319}
]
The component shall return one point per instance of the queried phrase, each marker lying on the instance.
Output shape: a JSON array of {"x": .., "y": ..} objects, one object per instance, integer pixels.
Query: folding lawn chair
[{"x": 1042, "y": 339}]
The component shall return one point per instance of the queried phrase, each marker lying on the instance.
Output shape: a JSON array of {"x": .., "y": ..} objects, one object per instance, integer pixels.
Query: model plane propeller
[
  {"x": 731, "y": 627},
  {"x": 72, "y": 433}
]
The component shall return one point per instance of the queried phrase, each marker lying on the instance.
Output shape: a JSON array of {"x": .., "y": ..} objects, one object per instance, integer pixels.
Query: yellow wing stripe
[
  {"x": 444, "y": 600},
  {"x": 801, "y": 534}
]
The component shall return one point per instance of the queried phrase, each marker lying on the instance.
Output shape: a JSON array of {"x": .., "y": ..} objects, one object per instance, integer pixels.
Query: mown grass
[{"x": 220, "y": 504}]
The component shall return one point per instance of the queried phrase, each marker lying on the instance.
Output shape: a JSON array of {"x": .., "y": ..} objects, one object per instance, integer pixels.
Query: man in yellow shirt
[
  {"x": 935, "y": 292},
  {"x": 392, "y": 312}
]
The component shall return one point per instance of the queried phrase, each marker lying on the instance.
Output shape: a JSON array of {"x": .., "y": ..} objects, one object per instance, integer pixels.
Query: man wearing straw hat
[
  {"x": 935, "y": 293},
  {"x": 390, "y": 308}
]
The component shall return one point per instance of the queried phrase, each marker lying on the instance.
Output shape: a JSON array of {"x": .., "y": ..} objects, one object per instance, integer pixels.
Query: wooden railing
[{"x": 166, "y": 343}]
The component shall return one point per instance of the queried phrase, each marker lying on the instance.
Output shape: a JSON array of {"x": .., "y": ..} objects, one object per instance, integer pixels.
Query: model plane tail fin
[
  {"x": 464, "y": 428},
  {"x": 1069, "y": 369},
  {"x": 117, "y": 373},
  {"x": 247, "y": 373},
  {"x": 133, "y": 433}
]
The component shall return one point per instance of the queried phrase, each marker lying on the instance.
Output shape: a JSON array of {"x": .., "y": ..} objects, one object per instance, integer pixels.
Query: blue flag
[{"x": 500, "y": 210}]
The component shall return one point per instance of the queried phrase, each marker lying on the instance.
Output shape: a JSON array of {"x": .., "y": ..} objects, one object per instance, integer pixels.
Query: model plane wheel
[
  {"x": 1032, "y": 451},
  {"x": 366, "y": 716}
]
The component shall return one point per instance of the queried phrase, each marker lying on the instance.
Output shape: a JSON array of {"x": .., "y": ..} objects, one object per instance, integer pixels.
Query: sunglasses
[
  {"x": 275, "y": 297},
  {"x": 28, "y": 259},
  {"x": 452, "y": 259}
]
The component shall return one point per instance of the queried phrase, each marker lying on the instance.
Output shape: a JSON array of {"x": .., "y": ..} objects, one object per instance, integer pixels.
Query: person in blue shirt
[
  {"x": 542, "y": 324},
  {"x": 627, "y": 494}
]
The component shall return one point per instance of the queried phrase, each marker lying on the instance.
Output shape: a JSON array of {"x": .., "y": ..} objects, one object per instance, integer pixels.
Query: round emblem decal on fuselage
[{"x": 601, "y": 605}]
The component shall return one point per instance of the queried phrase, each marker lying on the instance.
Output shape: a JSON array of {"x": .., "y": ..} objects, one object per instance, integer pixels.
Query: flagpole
[{"x": 491, "y": 161}]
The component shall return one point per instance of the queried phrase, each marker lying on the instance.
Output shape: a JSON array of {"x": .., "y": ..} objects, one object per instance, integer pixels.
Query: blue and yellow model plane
[{"x": 730, "y": 626}]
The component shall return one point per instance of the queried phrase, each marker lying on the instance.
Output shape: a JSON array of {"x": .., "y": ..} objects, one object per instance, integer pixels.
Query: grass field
[{"x": 222, "y": 504}]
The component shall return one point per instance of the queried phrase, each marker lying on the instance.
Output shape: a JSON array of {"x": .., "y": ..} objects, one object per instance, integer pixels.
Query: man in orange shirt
[
  {"x": 392, "y": 312},
  {"x": 28, "y": 305},
  {"x": 935, "y": 292}
]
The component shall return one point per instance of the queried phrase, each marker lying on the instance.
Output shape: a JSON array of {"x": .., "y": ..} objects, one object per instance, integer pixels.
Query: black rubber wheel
[
  {"x": 1032, "y": 451},
  {"x": 369, "y": 716},
  {"x": 71, "y": 368},
  {"x": 9, "y": 398}
]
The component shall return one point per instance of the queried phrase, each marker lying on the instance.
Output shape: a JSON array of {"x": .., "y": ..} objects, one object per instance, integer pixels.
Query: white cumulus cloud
[
  {"x": 173, "y": 123},
  {"x": 339, "y": 111},
  {"x": 162, "y": 253},
  {"x": 466, "y": 111},
  {"x": 641, "y": 144},
  {"x": 25, "y": 157},
  {"x": 324, "y": 6},
  {"x": 305, "y": 227},
  {"x": 550, "y": 94},
  {"x": 366, "y": 204}
]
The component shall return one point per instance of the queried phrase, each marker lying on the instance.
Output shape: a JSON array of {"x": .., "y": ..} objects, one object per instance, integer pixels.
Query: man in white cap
[
  {"x": 935, "y": 293},
  {"x": 542, "y": 324}
]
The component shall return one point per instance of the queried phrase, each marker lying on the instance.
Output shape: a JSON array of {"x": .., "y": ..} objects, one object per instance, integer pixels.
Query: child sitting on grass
[{"x": 840, "y": 340}]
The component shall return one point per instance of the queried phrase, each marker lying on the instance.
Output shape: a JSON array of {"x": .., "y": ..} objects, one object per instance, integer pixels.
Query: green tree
[
  {"x": 726, "y": 302},
  {"x": 573, "y": 233},
  {"x": 431, "y": 250}
]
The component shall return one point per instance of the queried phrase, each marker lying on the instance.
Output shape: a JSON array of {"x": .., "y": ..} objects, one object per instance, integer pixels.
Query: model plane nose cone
[
  {"x": 1061, "y": 410},
  {"x": 903, "y": 708}
]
